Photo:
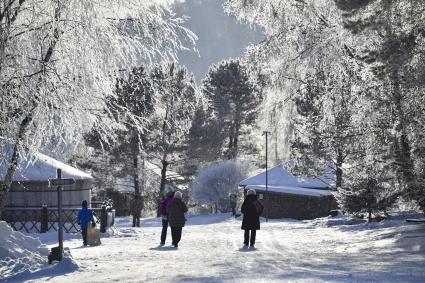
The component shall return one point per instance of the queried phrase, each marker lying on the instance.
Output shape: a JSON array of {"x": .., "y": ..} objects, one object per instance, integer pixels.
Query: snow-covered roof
[
  {"x": 292, "y": 190},
  {"x": 42, "y": 168},
  {"x": 278, "y": 176}
]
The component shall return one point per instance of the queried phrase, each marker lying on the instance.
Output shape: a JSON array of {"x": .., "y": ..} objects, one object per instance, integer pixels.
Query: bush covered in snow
[{"x": 215, "y": 182}]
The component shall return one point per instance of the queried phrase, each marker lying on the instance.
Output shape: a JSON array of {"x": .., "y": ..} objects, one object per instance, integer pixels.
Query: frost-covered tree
[
  {"x": 391, "y": 40},
  {"x": 216, "y": 181},
  {"x": 131, "y": 107},
  {"x": 234, "y": 99},
  {"x": 298, "y": 35},
  {"x": 205, "y": 139},
  {"x": 176, "y": 97},
  {"x": 327, "y": 127},
  {"x": 58, "y": 60},
  {"x": 312, "y": 77},
  {"x": 385, "y": 39},
  {"x": 366, "y": 195}
]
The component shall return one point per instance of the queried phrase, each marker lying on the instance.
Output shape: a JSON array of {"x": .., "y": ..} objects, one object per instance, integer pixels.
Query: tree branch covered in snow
[
  {"x": 59, "y": 60},
  {"x": 364, "y": 111}
]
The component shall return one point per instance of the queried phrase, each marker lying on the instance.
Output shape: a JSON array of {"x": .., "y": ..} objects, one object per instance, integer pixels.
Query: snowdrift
[
  {"x": 19, "y": 252},
  {"x": 24, "y": 257}
]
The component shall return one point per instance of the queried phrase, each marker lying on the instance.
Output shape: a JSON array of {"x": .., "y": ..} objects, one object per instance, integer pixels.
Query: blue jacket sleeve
[{"x": 79, "y": 218}]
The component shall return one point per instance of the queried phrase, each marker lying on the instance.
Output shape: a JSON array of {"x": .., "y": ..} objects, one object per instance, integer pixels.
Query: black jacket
[
  {"x": 251, "y": 219},
  {"x": 175, "y": 211}
]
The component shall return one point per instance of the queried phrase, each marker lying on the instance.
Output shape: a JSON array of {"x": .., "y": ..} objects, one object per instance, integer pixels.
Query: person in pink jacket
[{"x": 163, "y": 211}]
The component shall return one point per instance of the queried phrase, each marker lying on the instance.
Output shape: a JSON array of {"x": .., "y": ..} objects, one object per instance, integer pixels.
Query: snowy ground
[{"x": 287, "y": 250}]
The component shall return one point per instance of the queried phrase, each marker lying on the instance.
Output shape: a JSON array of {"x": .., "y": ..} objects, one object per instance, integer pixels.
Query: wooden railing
[{"x": 44, "y": 219}]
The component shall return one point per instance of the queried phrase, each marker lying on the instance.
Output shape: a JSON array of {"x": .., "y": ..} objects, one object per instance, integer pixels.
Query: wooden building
[
  {"x": 30, "y": 186},
  {"x": 289, "y": 196}
]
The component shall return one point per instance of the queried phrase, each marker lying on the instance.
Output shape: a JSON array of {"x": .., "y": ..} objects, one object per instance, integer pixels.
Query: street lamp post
[{"x": 266, "y": 197}]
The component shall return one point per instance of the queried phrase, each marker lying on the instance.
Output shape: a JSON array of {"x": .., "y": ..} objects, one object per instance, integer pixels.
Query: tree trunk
[
  {"x": 136, "y": 176},
  {"x": 23, "y": 127},
  {"x": 338, "y": 173},
  {"x": 235, "y": 144},
  {"x": 276, "y": 155},
  {"x": 230, "y": 143},
  {"x": 402, "y": 147},
  {"x": 8, "y": 178},
  {"x": 143, "y": 181},
  {"x": 163, "y": 181},
  {"x": 136, "y": 152}
]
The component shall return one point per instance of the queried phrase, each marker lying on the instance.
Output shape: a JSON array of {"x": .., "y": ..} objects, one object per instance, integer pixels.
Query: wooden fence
[{"x": 44, "y": 219}]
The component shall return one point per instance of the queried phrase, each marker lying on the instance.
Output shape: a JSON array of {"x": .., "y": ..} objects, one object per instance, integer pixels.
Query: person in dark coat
[
  {"x": 136, "y": 206},
  {"x": 251, "y": 217},
  {"x": 176, "y": 210},
  {"x": 85, "y": 216},
  {"x": 169, "y": 193}
]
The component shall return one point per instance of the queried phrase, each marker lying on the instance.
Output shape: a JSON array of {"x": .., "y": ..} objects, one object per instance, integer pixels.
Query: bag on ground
[{"x": 93, "y": 236}]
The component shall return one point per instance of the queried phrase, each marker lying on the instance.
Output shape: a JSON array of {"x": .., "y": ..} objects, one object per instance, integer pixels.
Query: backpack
[{"x": 258, "y": 207}]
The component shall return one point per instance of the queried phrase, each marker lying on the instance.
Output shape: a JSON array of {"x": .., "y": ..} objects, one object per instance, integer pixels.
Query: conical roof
[{"x": 42, "y": 168}]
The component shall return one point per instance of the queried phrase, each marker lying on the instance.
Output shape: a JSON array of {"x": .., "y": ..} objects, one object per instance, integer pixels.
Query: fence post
[
  {"x": 103, "y": 219},
  {"x": 44, "y": 219}
]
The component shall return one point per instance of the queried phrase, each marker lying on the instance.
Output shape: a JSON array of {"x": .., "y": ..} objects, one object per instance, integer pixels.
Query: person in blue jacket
[{"x": 85, "y": 216}]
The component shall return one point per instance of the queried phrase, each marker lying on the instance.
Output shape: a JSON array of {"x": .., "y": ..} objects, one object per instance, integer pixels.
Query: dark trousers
[
  {"x": 176, "y": 234},
  {"x": 136, "y": 221},
  {"x": 233, "y": 211},
  {"x": 246, "y": 237},
  {"x": 84, "y": 234},
  {"x": 164, "y": 231}
]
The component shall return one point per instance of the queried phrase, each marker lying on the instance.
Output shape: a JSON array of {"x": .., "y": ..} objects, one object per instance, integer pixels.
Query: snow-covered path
[{"x": 210, "y": 251}]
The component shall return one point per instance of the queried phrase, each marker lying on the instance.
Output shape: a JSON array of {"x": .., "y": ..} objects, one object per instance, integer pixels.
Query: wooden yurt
[{"x": 30, "y": 187}]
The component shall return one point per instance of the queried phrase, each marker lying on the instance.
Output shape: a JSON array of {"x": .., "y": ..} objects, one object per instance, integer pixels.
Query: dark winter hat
[
  {"x": 178, "y": 195},
  {"x": 84, "y": 203},
  {"x": 251, "y": 192}
]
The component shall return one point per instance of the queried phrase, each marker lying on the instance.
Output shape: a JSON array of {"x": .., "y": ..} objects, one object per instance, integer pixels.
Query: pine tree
[
  {"x": 176, "y": 99},
  {"x": 235, "y": 100},
  {"x": 131, "y": 106},
  {"x": 205, "y": 140},
  {"x": 366, "y": 195}
]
